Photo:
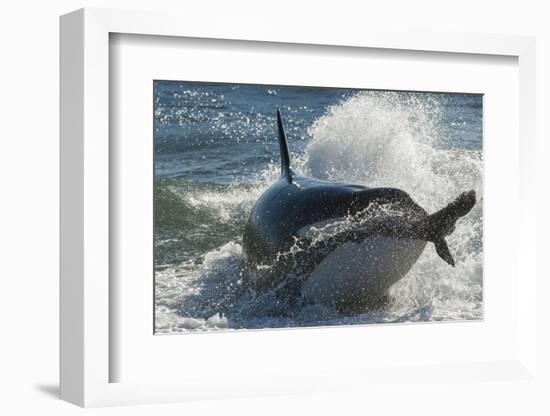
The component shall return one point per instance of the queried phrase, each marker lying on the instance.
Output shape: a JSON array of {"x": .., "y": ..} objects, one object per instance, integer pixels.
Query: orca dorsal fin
[{"x": 283, "y": 144}]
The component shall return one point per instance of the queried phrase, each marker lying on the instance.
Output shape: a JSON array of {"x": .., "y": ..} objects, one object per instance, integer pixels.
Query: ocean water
[{"x": 216, "y": 150}]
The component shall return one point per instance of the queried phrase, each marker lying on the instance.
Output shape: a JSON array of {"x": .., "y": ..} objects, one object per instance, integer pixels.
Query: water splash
[{"x": 395, "y": 139}]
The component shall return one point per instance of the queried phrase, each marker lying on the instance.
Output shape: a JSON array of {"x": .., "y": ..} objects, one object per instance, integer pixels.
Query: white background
[{"x": 29, "y": 209}]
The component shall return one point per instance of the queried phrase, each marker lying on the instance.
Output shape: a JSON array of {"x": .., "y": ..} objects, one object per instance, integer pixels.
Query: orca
[{"x": 339, "y": 244}]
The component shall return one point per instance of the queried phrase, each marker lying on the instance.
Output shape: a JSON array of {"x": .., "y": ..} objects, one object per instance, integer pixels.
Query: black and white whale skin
[{"x": 371, "y": 237}]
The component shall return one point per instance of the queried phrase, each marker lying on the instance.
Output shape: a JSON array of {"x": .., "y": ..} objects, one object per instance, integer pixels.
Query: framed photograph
[
  {"x": 283, "y": 213},
  {"x": 271, "y": 221}
]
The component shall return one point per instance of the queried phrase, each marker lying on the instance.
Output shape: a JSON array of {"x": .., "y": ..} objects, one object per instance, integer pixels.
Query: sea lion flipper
[
  {"x": 442, "y": 223},
  {"x": 443, "y": 250}
]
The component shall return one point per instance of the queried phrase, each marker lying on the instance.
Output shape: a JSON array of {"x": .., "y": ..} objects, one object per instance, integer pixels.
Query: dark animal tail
[
  {"x": 283, "y": 144},
  {"x": 442, "y": 223}
]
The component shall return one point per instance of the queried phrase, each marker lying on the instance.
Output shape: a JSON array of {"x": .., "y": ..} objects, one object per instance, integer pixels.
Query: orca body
[{"x": 339, "y": 244}]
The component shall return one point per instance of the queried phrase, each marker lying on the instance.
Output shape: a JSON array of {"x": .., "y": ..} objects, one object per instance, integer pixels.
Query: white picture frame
[{"x": 86, "y": 356}]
